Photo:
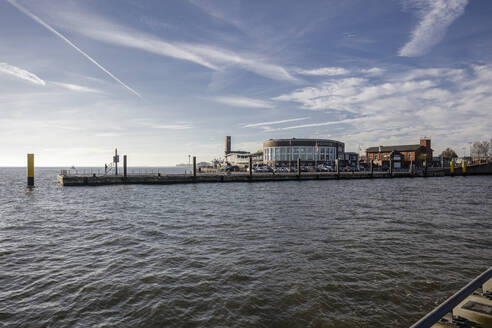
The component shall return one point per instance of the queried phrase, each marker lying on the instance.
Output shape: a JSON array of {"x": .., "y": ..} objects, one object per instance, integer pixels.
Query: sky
[{"x": 162, "y": 80}]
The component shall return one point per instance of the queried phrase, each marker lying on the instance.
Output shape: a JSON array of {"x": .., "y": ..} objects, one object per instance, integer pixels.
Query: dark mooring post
[
  {"x": 337, "y": 165},
  {"x": 30, "y": 170},
  {"x": 116, "y": 159},
  {"x": 250, "y": 166},
  {"x": 372, "y": 168},
  {"x": 194, "y": 166},
  {"x": 124, "y": 166},
  {"x": 298, "y": 167},
  {"x": 391, "y": 167}
]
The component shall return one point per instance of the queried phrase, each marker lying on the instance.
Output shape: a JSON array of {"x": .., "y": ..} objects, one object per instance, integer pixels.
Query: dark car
[{"x": 230, "y": 168}]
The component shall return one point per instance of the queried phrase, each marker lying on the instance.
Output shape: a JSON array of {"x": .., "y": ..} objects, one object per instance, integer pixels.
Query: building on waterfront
[
  {"x": 285, "y": 152},
  {"x": 227, "y": 149},
  {"x": 350, "y": 158},
  {"x": 417, "y": 154},
  {"x": 239, "y": 157}
]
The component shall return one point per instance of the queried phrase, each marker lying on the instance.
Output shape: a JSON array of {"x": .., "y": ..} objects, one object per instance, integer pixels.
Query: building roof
[
  {"x": 388, "y": 149},
  {"x": 301, "y": 142}
]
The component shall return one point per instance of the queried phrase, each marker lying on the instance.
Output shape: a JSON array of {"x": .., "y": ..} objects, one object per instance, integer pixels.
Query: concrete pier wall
[{"x": 100, "y": 180}]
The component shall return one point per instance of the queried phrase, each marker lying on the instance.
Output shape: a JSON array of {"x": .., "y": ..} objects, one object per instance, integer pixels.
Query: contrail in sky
[{"x": 61, "y": 36}]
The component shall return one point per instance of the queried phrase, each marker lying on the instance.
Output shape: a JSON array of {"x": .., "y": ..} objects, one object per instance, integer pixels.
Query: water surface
[{"x": 348, "y": 253}]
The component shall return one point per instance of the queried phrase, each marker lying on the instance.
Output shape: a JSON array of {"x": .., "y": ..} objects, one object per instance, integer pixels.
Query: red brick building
[{"x": 416, "y": 154}]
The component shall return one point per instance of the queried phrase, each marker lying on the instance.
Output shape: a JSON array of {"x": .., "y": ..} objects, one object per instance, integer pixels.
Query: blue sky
[{"x": 164, "y": 79}]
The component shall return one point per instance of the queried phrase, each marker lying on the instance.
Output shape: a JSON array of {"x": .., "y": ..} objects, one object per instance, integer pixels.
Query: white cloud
[
  {"x": 184, "y": 126},
  {"x": 311, "y": 125},
  {"x": 225, "y": 57},
  {"x": 373, "y": 71},
  {"x": 20, "y": 73},
  {"x": 434, "y": 73},
  {"x": 252, "y": 125},
  {"x": 70, "y": 43},
  {"x": 108, "y": 134},
  {"x": 350, "y": 94},
  {"x": 442, "y": 102},
  {"x": 436, "y": 17},
  {"x": 324, "y": 71},
  {"x": 212, "y": 57},
  {"x": 237, "y": 101},
  {"x": 75, "y": 87}
]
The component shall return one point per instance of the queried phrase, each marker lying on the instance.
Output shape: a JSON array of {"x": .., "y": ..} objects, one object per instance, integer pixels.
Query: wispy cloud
[
  {"x": 324, "y": 71},
  {"x": 221, "y": 10},
  {"x": 250, "y": 63},
  {"x": 237, "y": 101},
  {"x": 146, "y": 123},
  {"x": 386, "y": 108},
  {"x": 20, "y": 73},
  {"x": 215, "y": 58},
  {"x": 436, "y": 17},
  {"x": 373, "y": 71},
  {"x": 172, "y": 126},
  {"x": 252, "y": 125},
  {"x": 351, "y": 94},
  {"x": 108, "y": 134},
  {"x": 61, "y": 36},
  {"x": 311, "y": 125},
  {"x": 75, "y": 87}
]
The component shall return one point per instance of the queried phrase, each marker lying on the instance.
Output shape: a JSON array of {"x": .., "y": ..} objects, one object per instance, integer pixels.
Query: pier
[
  {"x": 100, "y": 180},
  {"x": 67, "y": 178}
]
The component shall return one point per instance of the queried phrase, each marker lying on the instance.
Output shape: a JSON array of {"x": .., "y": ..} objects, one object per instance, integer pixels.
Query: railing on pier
[
  {"x": 92, "y": 171},
  {"x": 447, "y": 306}
]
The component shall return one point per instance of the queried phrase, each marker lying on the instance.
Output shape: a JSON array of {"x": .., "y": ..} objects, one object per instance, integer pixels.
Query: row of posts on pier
[{"x": 116, "y": 160}]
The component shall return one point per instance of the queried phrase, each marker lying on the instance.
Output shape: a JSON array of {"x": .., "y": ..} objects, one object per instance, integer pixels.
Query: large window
[{"x": 305, "y": 153}]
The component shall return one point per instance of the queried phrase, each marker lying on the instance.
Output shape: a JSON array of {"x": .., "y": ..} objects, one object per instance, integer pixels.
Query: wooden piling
[
  {"x": 116, "y": 159},
  {"x": 298, "y": 167},
  {"x": 194, "y": 166},
  {"x": 250, "y": 168},
  {"x": 124, "y": 166}
]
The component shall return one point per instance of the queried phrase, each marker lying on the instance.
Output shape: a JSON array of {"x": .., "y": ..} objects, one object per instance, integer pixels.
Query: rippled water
[{"x": 361, "y": 253}]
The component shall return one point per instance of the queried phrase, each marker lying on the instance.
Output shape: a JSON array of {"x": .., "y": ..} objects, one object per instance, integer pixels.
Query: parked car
[
  {"x": 280, "y": 169},
  {"x": 325, "y": 168},
  {"x": 230, "y": 168},
  {"x": 262, "y": 169}
]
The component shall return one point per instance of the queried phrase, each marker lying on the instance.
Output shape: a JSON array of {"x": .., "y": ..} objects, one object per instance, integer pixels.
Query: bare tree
[
  {"x": 448, "y": 153},
  {"x": 481, "y": 149}
]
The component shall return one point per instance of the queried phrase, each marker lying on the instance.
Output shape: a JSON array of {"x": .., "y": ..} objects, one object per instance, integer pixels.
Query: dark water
[{"x": 377, "y": 253}]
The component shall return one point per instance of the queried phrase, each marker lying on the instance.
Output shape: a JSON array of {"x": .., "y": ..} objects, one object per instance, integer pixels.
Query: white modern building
[{"x": 285, "y": 152}]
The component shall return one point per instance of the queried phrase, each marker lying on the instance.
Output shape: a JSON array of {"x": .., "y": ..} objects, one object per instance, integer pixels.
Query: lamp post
[
  {"x": 380, "y": 159},
  {"x": 290, "y": 155},
  {"x": 316, "y": 152}
]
